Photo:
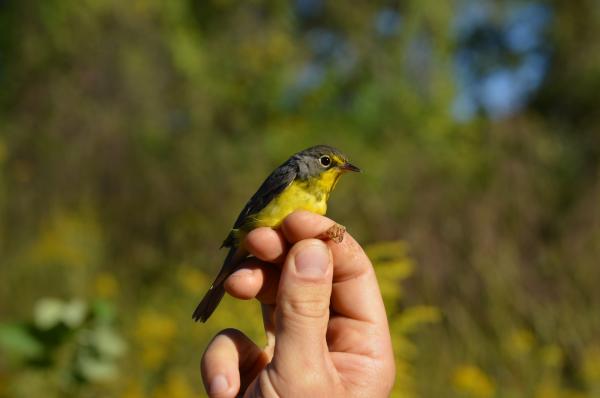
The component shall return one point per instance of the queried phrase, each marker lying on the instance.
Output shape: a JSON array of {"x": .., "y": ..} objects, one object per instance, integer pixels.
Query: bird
[{"x": 302, "y": 182}]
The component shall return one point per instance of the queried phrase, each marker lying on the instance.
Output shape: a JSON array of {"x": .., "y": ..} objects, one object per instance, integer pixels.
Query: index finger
[{"x": 355, "y": 291}]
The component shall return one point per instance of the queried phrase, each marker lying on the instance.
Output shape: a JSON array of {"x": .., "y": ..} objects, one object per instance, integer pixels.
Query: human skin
[{"x": 327, "y": 329}]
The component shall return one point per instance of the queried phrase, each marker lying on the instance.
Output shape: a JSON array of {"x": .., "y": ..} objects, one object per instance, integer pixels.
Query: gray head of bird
[{"x": 317, "y": 160}]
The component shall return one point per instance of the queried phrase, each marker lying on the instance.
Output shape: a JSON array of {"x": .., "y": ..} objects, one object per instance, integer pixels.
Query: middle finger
[{"x": 254, "y": 279}]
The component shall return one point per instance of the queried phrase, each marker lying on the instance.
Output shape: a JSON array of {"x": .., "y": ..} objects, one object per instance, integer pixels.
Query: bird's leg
[{"x": 335, "y": 233}]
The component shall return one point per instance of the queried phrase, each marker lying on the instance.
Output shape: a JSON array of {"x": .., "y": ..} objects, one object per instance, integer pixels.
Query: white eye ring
[{"x": 325, "y": 161}]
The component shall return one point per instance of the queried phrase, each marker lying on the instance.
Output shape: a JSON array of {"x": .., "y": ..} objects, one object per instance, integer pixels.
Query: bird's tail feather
[
  {"x": 213, "y": 297},
  {"x": 209, "y": 303}
]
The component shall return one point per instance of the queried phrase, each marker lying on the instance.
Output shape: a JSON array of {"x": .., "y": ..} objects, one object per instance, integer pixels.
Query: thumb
[{"x": 303, "y": 299}]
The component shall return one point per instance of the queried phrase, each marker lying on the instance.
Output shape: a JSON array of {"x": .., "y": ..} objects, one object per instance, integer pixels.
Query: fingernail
[
  {"x": 312, "y": 260},
  {"x": 218, "y": 384}
]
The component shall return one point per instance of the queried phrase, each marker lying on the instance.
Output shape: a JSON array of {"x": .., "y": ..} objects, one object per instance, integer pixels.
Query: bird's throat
[{"x": 310, "y": 194}]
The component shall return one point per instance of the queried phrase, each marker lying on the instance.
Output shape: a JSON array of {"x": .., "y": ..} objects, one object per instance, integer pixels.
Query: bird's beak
[{"x": 349, "y": 167}]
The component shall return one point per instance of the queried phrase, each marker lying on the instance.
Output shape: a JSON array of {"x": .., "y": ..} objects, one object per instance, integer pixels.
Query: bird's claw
[{"x": 335, "y": 233}]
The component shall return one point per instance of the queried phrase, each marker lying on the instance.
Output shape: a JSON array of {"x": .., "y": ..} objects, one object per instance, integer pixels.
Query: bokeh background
[{"x": 132, "y": 133}]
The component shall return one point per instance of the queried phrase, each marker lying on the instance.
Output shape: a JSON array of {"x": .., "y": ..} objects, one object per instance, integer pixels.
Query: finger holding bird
[{"x": 258, "y": 276}]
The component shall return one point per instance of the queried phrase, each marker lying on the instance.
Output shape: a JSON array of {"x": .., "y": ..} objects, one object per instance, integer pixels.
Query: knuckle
[{"x": 308, "y": 307}]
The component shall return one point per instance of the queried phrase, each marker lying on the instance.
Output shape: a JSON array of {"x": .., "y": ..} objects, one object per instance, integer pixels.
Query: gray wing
[{"x": 275, "y": 183}]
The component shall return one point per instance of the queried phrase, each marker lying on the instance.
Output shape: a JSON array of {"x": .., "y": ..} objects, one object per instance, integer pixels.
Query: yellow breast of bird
[{"x": 311, "y": 194}]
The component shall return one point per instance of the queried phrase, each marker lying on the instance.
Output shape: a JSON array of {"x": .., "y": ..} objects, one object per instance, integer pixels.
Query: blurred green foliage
[
  {"x": 131, "y": 133},
  {"x": 66, "y": 347}
]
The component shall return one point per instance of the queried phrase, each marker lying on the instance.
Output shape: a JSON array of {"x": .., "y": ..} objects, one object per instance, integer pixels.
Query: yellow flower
[
  {"x": 473, "y": 381},
  {"x": 548, "y": 389},
  {"x": 133, "y": 390},
  {"x": 192, "y": 280},
  {"x": 392, "y": 265},
  {"x": 552, "y": 356},
  {"x": 519, "y": 342},
  {"x": 106, "y": 285},
  {"x": 154, "y": 332},
  {"x": 69, "y": 239},
  {"x": 591, "y": 364},
  {"x": 551, "y": 389},
  {"x": 176, "y": 386},
  {"x": 414, "y": 317},
  {"x": 387, "y": 251}
]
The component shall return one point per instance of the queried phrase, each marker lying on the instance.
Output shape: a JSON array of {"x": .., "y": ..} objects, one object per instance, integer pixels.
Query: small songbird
[{"x": 303, "y": 182}]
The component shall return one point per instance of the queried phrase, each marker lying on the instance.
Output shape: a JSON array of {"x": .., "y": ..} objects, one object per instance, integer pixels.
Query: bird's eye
[{"x": 325, "y": 160}]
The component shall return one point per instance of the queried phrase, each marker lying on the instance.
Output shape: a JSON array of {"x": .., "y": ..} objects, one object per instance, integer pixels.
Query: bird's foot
[{"x": 335, "y": 233}]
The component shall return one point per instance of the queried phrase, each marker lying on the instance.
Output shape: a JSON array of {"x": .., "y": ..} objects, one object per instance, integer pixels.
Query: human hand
[{"x": 326, "y": 325}]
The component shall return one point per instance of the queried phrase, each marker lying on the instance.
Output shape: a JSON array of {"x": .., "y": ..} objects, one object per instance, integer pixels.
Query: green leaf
[
  {"x": 15, "y": 339},
  {"x": 103, "y": 311}
]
